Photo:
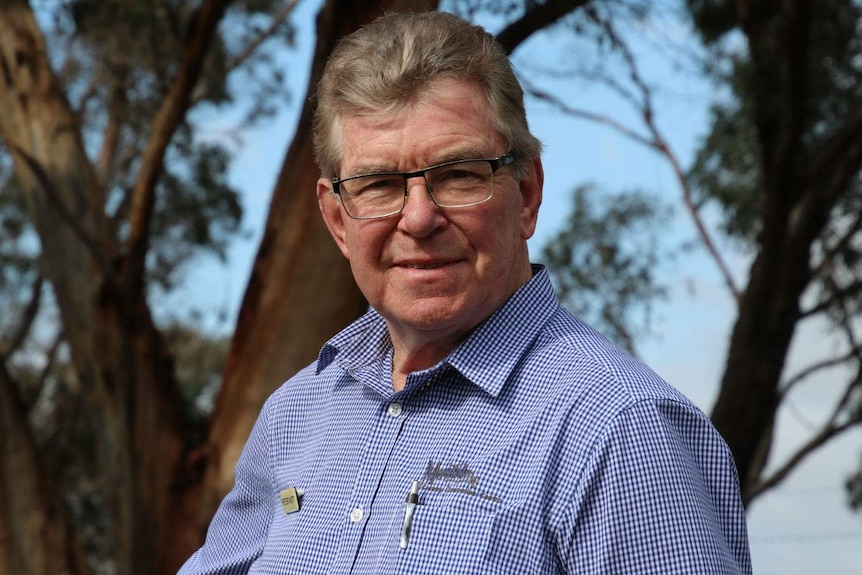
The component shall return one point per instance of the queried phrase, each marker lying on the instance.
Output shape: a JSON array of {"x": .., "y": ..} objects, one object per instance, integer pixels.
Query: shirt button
[
  {"x": 356, "y": 515},
  {"x": 395, "y": 409}
]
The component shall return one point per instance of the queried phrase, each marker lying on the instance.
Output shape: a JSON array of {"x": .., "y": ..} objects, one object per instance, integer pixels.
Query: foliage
[
  {"x": 604, "y": 261},
  {"x": 854, "y": 490},
  {"x": 200, "y": 361},
  {"x": 116, "y": 60},
  {"x": 726, "y": 168}
]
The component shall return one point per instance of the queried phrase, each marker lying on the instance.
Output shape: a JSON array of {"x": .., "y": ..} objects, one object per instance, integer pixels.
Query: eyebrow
[{"x": 467, "y": 153}]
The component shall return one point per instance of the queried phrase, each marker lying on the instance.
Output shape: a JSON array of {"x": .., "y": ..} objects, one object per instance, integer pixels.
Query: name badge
[{"x": 289, "y": 500}]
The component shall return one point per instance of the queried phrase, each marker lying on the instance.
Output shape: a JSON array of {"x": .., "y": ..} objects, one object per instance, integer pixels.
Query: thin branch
[
  {"x": 165, "y": 123},
  {"x": 10, "y": 345},
  {"x": 589, "y": 116},
  {"x": 57, "y": 203},
  {"x": 88, "y": 94},
  {"x": 819, "y": 366},
  {"x": 111, "y": 137},
  {"x": 200, "y": 92},
  {"x": 48, "y": 368},
  {"x": 829, "y": 430},
  {"x": 827, "y": 433},
  {"x": 800, "y": 417},
  {"x": 854, "y": 352},
  {"x": 123, "y": 167},
  {"x": 661, "y": 144},
  {"x": 277, "y": 20},
  {"x": 829, "y": 253},
  {"x": 847, "y": 396}
]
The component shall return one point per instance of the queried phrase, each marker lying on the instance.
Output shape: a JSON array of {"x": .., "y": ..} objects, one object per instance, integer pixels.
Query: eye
[
  {"x": 375, "y": 185},
  {"x": 459, "y": 175}
]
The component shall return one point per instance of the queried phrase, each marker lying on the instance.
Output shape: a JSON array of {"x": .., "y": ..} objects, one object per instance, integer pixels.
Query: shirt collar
[
  {"x": 486, "y": 358},
  {"x": 492, "y": 352}
]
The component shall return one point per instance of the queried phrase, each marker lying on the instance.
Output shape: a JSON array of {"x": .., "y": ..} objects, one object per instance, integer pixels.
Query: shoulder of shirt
[{"x": 590, "y": 365}]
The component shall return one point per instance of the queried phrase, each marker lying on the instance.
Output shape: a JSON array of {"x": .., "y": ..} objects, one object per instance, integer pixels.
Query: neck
[
  {"x": 412, "y": 355},
  {"x": 418, "y": 349}
]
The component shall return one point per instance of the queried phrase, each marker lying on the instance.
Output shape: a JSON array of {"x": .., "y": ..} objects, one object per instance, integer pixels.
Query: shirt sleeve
[
  {"x": 659, "y": 495},
  {"x": 238, "y": 531}
]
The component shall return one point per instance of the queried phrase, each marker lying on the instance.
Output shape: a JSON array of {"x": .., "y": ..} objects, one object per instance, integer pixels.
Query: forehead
[{"x": 450, "y": 119}]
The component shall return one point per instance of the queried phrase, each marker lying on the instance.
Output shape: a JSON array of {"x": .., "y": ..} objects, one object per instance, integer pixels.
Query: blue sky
[{"x": 801, "y": 527}]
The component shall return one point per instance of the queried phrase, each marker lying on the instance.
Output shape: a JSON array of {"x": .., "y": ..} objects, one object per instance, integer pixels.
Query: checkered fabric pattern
[{"x": 539, "y": 448}]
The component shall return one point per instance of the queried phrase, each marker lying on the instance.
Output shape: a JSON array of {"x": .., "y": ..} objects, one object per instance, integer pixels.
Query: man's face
[{"x": 435, "y": 273}]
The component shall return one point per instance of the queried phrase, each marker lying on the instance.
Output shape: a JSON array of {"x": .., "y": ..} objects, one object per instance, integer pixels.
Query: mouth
[{"x": 433, "y": 266}]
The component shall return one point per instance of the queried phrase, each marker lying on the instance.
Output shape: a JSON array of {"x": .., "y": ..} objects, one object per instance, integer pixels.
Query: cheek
[
  {"x": 364, "y": 242},
  {"x": 499, "y": 240}
]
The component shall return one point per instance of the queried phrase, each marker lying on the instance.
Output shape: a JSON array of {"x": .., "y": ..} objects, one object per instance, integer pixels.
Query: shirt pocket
[{"x": 443, "y": 539}]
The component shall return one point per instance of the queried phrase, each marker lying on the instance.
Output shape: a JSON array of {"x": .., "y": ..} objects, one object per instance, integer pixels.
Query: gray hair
[{"x": 383, "y": 66}]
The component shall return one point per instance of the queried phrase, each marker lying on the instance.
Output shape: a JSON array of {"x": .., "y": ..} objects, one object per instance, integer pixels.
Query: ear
[
  {"x": 531, "y": 185},
  {"x": 333, "y": 215}
]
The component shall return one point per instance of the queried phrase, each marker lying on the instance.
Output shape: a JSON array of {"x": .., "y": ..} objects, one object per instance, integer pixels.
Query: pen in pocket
[{"x": 409, "y": 508}]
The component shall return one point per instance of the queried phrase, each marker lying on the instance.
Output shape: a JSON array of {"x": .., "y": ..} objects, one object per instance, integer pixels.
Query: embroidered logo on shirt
[{"x": 453, "y": 478}]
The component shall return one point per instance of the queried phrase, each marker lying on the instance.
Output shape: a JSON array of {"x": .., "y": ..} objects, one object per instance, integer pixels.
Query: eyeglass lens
[{"x": 453, "y": 185}]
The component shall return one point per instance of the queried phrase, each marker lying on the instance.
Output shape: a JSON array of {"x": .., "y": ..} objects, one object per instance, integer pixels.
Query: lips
[{"x": 425, "y": 264}]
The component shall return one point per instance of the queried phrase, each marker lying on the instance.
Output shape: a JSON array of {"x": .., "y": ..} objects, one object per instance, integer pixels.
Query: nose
[{"x": 421, "y": 216}]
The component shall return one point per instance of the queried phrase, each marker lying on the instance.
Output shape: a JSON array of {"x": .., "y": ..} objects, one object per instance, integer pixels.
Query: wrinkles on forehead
[{"x": 460, "y": 153}]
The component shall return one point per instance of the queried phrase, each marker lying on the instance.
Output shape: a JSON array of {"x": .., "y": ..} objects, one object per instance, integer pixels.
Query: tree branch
[
  {"x": 661, "y": 144},
  {"x": 854, "y": 352},
  {"x": 165, "y": 123},
  {"x": 819, "y": 366},
  {"x": 277, "y": 19},
  {"x": 843, "y": 242},
  {"x": 47, "y": 369},
  {"x": 537, "y": 17},
  {"x": 826, "y": 178},
  {"x": 601, "y": 119}
]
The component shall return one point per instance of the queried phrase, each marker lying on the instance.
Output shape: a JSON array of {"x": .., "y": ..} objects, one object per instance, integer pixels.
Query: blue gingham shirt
[{"x": 538, "y": 446}]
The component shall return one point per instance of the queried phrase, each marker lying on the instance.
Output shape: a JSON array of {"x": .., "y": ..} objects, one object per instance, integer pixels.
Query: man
[{"x": 467, "y": 424}]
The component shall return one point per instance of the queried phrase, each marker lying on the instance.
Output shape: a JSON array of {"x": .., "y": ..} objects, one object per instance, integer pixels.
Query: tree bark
[{"x": 36, "y": 537}]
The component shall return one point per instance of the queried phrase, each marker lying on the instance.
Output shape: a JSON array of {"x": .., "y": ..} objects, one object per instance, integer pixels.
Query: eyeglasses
[{"x": 455, "y": 184}]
